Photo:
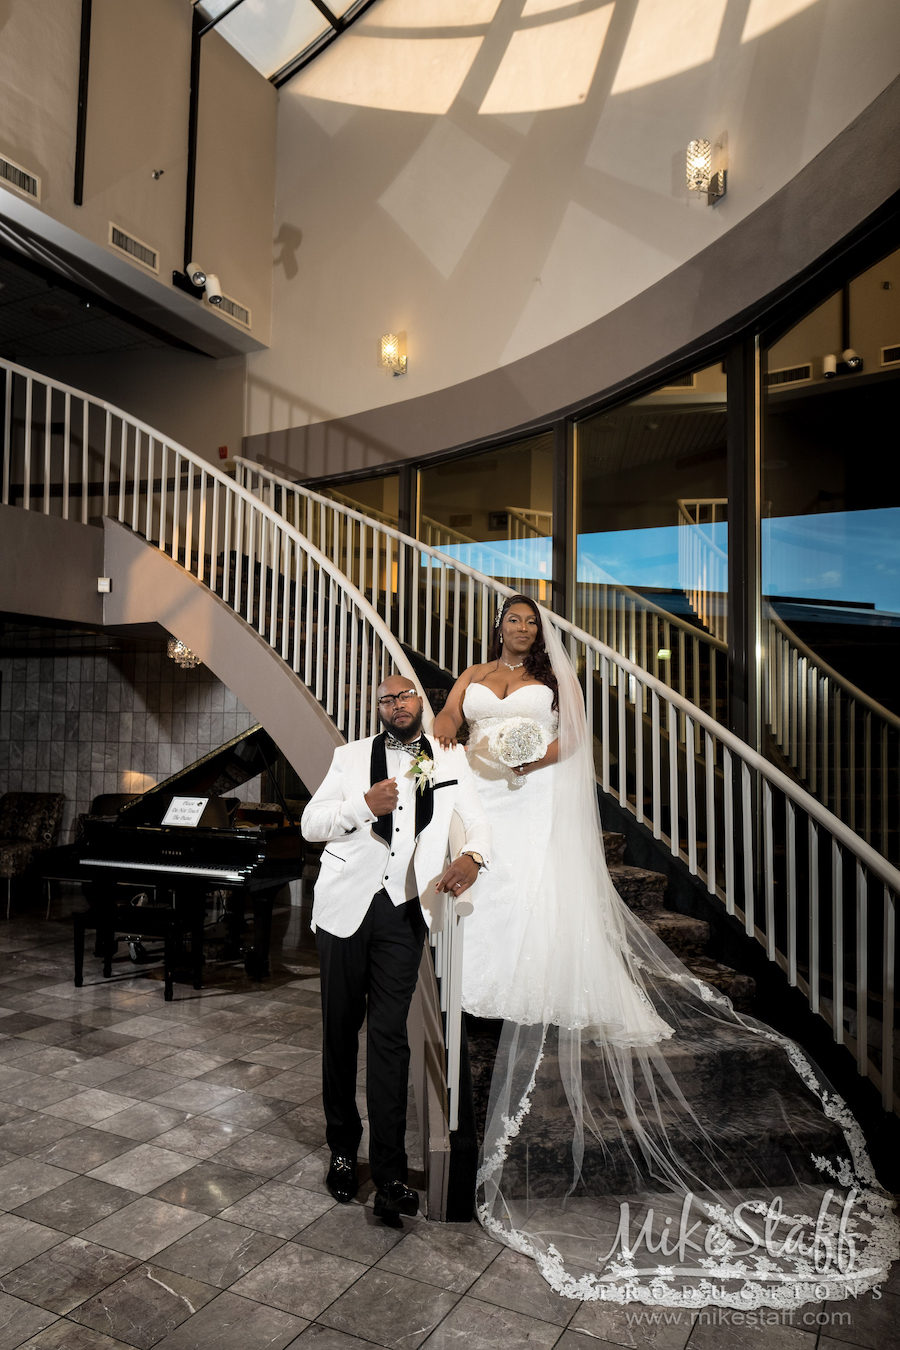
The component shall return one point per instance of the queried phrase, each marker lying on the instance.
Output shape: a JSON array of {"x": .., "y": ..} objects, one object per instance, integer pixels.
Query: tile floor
[{"x": 161, "y": 1184}]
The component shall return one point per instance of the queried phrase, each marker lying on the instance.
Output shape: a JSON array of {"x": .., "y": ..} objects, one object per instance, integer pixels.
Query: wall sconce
[
  {"x": 391, "y": 357},
  {"x": 700, "y": 176},
  {"x": 182, "y": 655}
]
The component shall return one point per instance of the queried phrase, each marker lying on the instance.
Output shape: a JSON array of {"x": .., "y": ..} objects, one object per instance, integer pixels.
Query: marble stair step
[
  {"x": 736, "y": 986},
  {"x": 684, "y": 936},
  {"x": 614, "y": 844},
  {"x": 643, "y": 891}
]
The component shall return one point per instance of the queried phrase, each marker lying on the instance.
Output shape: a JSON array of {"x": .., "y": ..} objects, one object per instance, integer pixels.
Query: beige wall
[
  {"x": 426, "y": 185},
  {"x": 137, "y": 124}
]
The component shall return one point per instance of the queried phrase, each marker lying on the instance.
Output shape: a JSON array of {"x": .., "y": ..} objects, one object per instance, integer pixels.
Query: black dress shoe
[
  {"x": 342, "y": 1180},
  {"x": 392, "y": 1200}
]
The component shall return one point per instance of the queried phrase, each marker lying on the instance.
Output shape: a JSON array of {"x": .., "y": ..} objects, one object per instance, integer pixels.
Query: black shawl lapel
[
  {"x": 384, "y": 825},
  {"x": 425, "y": 800}
]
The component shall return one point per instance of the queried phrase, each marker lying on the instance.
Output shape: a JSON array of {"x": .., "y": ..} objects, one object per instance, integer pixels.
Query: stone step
[
  {"x": 643, "y": 891},
  {"x": 739, "y": 988},
  {"x": 684, "y": 936},
  {"x": 614, "y": 844}
]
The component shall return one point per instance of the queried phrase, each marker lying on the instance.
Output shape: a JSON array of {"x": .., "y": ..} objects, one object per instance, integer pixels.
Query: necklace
[{"x": 508, "y": 666}]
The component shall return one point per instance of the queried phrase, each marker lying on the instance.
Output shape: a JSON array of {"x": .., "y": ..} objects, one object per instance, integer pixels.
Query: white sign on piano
[{"x": 185, "y": 811}]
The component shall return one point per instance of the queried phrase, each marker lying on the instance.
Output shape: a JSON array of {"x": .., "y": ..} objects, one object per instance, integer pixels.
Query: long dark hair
[{"x": 537, "y": 662}]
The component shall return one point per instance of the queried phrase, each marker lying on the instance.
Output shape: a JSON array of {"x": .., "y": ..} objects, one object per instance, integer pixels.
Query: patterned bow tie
[{"x": 410, "y": 748}]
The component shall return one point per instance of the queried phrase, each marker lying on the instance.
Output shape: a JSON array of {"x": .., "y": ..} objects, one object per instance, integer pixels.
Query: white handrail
[
  {"x": 718, "y": 805},
  {"x": 272, "y": 575}
]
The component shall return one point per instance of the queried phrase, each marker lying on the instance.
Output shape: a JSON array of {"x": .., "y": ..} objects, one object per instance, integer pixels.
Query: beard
[{"x": 407, "y": 733}]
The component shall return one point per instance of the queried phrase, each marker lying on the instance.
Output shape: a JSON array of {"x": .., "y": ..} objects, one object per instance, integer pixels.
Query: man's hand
[
  {"x": 459, "y": 876},
  {"x": 381, "y": 798}
]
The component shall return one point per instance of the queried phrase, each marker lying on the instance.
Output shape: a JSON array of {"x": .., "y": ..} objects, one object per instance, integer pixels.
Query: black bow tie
[{"x": 410, "y": 748}]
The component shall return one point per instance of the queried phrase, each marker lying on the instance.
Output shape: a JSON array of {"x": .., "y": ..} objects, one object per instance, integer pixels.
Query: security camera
[
  {"x": 196, "y": 274},
  {"x": 213, "y": 290},
  {"x": 852, "y": 359}
]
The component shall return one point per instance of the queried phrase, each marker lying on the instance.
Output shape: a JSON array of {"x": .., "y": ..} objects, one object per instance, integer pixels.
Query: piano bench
[{"x": 141, "y": 921}]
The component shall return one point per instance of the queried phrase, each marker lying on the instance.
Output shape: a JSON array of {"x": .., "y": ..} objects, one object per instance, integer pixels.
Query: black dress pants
[{"x": 370, "y": 976}]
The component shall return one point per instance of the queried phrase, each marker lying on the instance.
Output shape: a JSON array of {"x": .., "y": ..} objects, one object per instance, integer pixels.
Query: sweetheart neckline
[{"x": 481, "y": 685}]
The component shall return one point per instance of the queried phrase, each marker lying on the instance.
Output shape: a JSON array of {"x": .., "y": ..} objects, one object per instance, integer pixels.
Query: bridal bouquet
[{"x": 518, "y": 740}]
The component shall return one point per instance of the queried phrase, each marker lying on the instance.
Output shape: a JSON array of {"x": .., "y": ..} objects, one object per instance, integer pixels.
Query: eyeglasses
[{"x": 391, "y": 700}]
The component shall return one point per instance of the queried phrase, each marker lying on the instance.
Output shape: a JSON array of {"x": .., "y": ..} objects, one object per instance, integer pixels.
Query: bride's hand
[{"x": 447, "y": 742}]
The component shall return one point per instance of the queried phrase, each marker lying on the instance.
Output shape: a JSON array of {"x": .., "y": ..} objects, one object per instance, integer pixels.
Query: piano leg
[
  {"x": 197, "y": 947},
  {"x": 80, "y": 926},
  {"x": 170, "y": 947},
  {"x": 256, "y": 963}
]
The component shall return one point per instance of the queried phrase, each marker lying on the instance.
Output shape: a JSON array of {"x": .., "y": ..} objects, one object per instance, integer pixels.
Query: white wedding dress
[{"x": 644, "y": 1142}]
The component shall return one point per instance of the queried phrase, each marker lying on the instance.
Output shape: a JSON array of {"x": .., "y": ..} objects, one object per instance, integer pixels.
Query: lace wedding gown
[{"x": 644, "y": 1141}]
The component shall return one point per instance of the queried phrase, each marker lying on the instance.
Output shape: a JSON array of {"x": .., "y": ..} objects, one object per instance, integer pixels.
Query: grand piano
[{"x": 135, "y": 853}]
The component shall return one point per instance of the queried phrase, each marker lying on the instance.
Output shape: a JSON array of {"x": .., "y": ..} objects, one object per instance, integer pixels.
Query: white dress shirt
[{"x": 398, "y": 878}]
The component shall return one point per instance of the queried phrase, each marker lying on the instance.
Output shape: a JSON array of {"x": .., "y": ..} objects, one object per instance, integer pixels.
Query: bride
[{"x": 644, "y": 1141}]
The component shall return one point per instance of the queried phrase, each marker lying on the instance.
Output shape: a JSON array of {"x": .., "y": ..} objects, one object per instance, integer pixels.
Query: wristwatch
[{"x": 476, "y": 857}]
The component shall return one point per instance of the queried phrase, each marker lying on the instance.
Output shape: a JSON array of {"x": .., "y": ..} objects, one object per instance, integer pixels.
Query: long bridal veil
[{"x": 644, "y": 1141}]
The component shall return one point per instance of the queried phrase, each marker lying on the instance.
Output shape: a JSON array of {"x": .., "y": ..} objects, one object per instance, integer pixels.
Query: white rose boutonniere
[{"x": 423, "y": 771}]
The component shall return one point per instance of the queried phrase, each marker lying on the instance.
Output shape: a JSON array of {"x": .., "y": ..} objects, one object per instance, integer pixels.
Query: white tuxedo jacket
[{"x": 356, "y": 848}]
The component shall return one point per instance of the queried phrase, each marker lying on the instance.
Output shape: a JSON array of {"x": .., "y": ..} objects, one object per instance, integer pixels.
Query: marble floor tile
[
  {"x": 279, "y": 1056},
  {"x": 89, "y": 1107},
  {"x": 101, "y": 1042},
  {"x": 66, "y": 1335},
  {"x": 38, "y": 1094},
  {"x": 233, "y": 1323},
  {"x": 49, "y": 1060},
  {"x": 449, "y": 1255},
  {"x": 239, "y": 1073},
  {"x": 293, "y": 1086},
  {"x": 251, "y": 1110},
  {"x": 145, "y": 1026},
  {"x": 33, "y": 1132},
  {"x": 84, "y": 1150},
  {"x": 218, "y": 1253},
  {"x": 142, "y": 1229},
  {"x": 718, "y": 1336},
  {"x": 311, "y": 1170},
  {"x": 317, "y": 1337},
  {"x": 190, "y": 1063},
  {"x": 354, "y": 1232},
  {"x": 140, "y": 1053},
  {"x": 202, "y": 1136},
  {"x": 92, "y": 1072},
  {"x": 304, "y": 1123},
  {"x": 195, "y": 1097},
  {"x": 144, "y": 1084},
  {"x": 20, "y": 1320},
  {"x": 209, "y": 1187},
  {"x": 22, "y": 1180},
  {"x": 143, "y": 1121},
  {"x": 277, "y": 1209},
  {"x": 238, "y": 1043},
  {"x": 300, "y": 1280},
  {"x": 66, "y": 1275},
  {"x": 145, "y": 1306},
  {"x": 514, "y": 1281},
  {"x": 76, "y": 1204},
  {"x": 19, "y": 1022},
  {"x": 479, "y": 1326},
  {"x": 20, "y": 1241},
  {"x": 400, "y": 1313},
  {"x": 143, "y": 1168},
  {"x": 610, "y": 1322},
  {"x": 13, "y": 1049},
  {"x": 263, "y": 1154}
]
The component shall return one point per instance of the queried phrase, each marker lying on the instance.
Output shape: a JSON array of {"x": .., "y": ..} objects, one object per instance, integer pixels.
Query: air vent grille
[
  {"x": 890, "y": 356},
  {"x": 14, "y": 176},
  {"x": 683, "y": 382},
  {"x": 790, "y": 375},
  {"x": 235, "y": 311},
  {"x": 133, "y": 248}
]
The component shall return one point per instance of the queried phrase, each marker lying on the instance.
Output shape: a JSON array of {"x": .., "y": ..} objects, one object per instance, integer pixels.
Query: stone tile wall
[{"x": 88, "y": 713}]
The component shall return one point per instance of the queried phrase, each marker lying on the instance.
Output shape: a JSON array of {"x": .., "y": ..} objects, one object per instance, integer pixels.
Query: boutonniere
[{"x": 423, "y": 771}]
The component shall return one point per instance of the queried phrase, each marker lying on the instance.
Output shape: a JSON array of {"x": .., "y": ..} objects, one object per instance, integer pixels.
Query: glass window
[
  {"x": 494, "y": 511},
  {"x": 377, "y": 498},
  {"x": 652, "y": 542}
]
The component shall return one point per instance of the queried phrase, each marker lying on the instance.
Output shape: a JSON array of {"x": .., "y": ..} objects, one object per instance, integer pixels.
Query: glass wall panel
[
  {"x": 374, "y": 497},
  {"x": 831, "y": 550},
  {"x": 652, "y": 548},
  {"x": 494, "y": 511}
]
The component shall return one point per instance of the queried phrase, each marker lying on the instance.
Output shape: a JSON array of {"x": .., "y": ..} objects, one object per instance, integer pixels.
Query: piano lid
[{"x": 215, "y": 774}]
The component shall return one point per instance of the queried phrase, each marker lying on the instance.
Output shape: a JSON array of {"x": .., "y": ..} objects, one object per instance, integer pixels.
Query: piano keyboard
[{"x": 173, "y": 869}]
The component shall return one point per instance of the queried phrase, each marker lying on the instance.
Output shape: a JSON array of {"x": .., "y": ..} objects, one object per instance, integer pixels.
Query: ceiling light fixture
[
  {"x": 182, "y": 655},
  {"x": 700, "y": 176}
]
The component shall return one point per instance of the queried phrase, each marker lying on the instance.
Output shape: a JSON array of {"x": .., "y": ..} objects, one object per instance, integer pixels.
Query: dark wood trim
[
  {"x": 744, "y": 423},
  {"x": 197, "y": 30},
  {"x": 563, "y": 499},
  {"x": 84, "y": 65}
]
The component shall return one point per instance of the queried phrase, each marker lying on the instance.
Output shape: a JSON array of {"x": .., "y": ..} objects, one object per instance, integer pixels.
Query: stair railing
[
  {"x": 68, "y": 454},
  {"x": 818, "y": 898},
  {"x": 442, "y": 606},
  {"x": 702, "y": 564}
]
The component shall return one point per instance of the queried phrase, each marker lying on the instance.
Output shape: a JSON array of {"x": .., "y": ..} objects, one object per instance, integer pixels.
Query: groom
[{"x": 386, "y": 830}]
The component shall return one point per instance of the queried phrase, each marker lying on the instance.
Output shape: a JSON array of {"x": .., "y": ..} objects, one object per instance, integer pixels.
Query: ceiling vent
[
  {"x": 790, "y": 375},
  {"x": 890, "y": 356},
  {"x": 683, "y": 382},
  {"x": 234, "y": 311},
  {"x": 14, "y": 176},
  {"x": 133, "y": 248}
]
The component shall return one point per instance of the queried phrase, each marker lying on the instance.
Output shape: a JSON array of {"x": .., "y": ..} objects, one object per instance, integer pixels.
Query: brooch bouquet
[
  {"x": 423, "y": 771},
  {"x": 518, "y": 740}
]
